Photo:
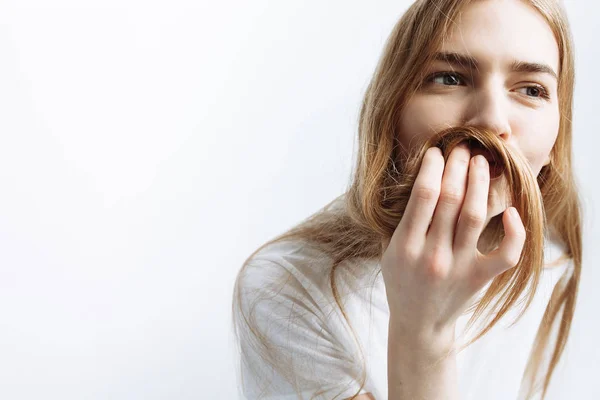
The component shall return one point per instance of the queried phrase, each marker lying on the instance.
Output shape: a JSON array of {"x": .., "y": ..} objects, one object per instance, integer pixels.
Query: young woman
[{"x": 356, "y": 302}]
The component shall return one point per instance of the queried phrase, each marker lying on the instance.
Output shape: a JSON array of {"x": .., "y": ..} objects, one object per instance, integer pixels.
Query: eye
[
  {"x": 446, "y": 78},
  {"x": 537, "y": 92}
]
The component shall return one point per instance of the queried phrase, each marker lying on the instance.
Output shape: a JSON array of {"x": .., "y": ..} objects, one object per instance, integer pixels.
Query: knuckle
[
  {"x": 426, "y": 193},
  {"x": 436, "y": 271},
  {"x": 410, "y": 253},
  {"x": 510, "y": 259},
  {"x": 451, "y": 196},
  {"x": 437, "y": 265},
  {"x": 473, "y": 219}
]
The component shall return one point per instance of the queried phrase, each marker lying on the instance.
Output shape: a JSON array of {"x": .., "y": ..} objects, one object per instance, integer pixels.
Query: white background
[{"x": 148, "y": 147}]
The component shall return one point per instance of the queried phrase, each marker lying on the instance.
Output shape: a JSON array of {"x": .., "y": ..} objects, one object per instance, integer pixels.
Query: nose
[{"x": 488, "y": 109}]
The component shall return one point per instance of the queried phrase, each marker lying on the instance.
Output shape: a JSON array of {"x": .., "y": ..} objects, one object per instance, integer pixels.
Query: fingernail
[
  {"x": 513, "y": 212},
  {"x": 481, "y": 161}
]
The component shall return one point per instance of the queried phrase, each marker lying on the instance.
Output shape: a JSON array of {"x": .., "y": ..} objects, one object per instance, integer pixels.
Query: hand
[{"x": 432, "y": 272}]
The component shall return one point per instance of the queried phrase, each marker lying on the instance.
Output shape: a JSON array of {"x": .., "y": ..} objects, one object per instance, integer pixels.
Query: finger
[
  {"x": 508, "y": 254},
  {"x": 474, "y": 210},
  {"x": 423, "y": 196},
  {"x": 454, "y": 184}
]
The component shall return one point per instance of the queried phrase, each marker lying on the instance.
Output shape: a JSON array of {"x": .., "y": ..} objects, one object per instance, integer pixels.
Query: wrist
[{"x": 421, "y": 342}]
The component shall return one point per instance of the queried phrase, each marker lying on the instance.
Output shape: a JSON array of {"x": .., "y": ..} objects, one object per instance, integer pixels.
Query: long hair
[{"x": 381, "y": 182}]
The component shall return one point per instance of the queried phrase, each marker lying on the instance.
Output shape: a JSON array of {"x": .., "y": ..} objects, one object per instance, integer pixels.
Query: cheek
[
  {"x": 536, "y": 142},
  {"x": 423, "y": 116}
]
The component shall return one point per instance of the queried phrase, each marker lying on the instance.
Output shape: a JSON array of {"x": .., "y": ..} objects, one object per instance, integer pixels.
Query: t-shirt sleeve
[{"x": 287, "y": 347}]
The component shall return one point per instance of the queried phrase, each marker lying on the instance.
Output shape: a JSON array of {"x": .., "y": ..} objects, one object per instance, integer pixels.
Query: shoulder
[
  {"x": 283, "y": 290},
  {"x": 288, "y": 330},
  {"x": 302, "y": 271},
  {"x": 288, "y": 267}
]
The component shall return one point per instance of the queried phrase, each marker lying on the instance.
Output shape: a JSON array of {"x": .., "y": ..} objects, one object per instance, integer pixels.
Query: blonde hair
[{"x": 383, "y": 177}]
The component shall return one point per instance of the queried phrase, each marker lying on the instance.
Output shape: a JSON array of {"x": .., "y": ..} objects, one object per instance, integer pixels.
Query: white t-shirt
[{"x": 308, "y": 333}]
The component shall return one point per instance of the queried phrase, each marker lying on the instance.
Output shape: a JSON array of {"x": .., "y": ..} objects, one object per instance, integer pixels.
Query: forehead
[{"x": 494, "y": 31}]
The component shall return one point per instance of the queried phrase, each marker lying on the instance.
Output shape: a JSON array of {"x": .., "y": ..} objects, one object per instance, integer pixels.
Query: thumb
[{"x": 508, "y": 254}]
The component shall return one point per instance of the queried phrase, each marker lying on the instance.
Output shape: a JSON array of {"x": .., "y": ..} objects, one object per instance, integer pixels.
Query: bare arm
[
  {"x": 420, "y": 371},
  {"x": 432, "y": 268}
]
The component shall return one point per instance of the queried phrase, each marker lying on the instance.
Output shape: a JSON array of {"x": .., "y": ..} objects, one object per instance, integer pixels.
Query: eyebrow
[{"x": 516, "y": 66}]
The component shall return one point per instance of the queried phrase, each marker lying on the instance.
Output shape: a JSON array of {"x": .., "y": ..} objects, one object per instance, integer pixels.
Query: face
[{"x": 519, "y": 104}]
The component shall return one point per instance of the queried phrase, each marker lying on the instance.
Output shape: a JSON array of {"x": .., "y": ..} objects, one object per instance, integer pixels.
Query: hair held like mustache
[{"x": 521, "y": 182}]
